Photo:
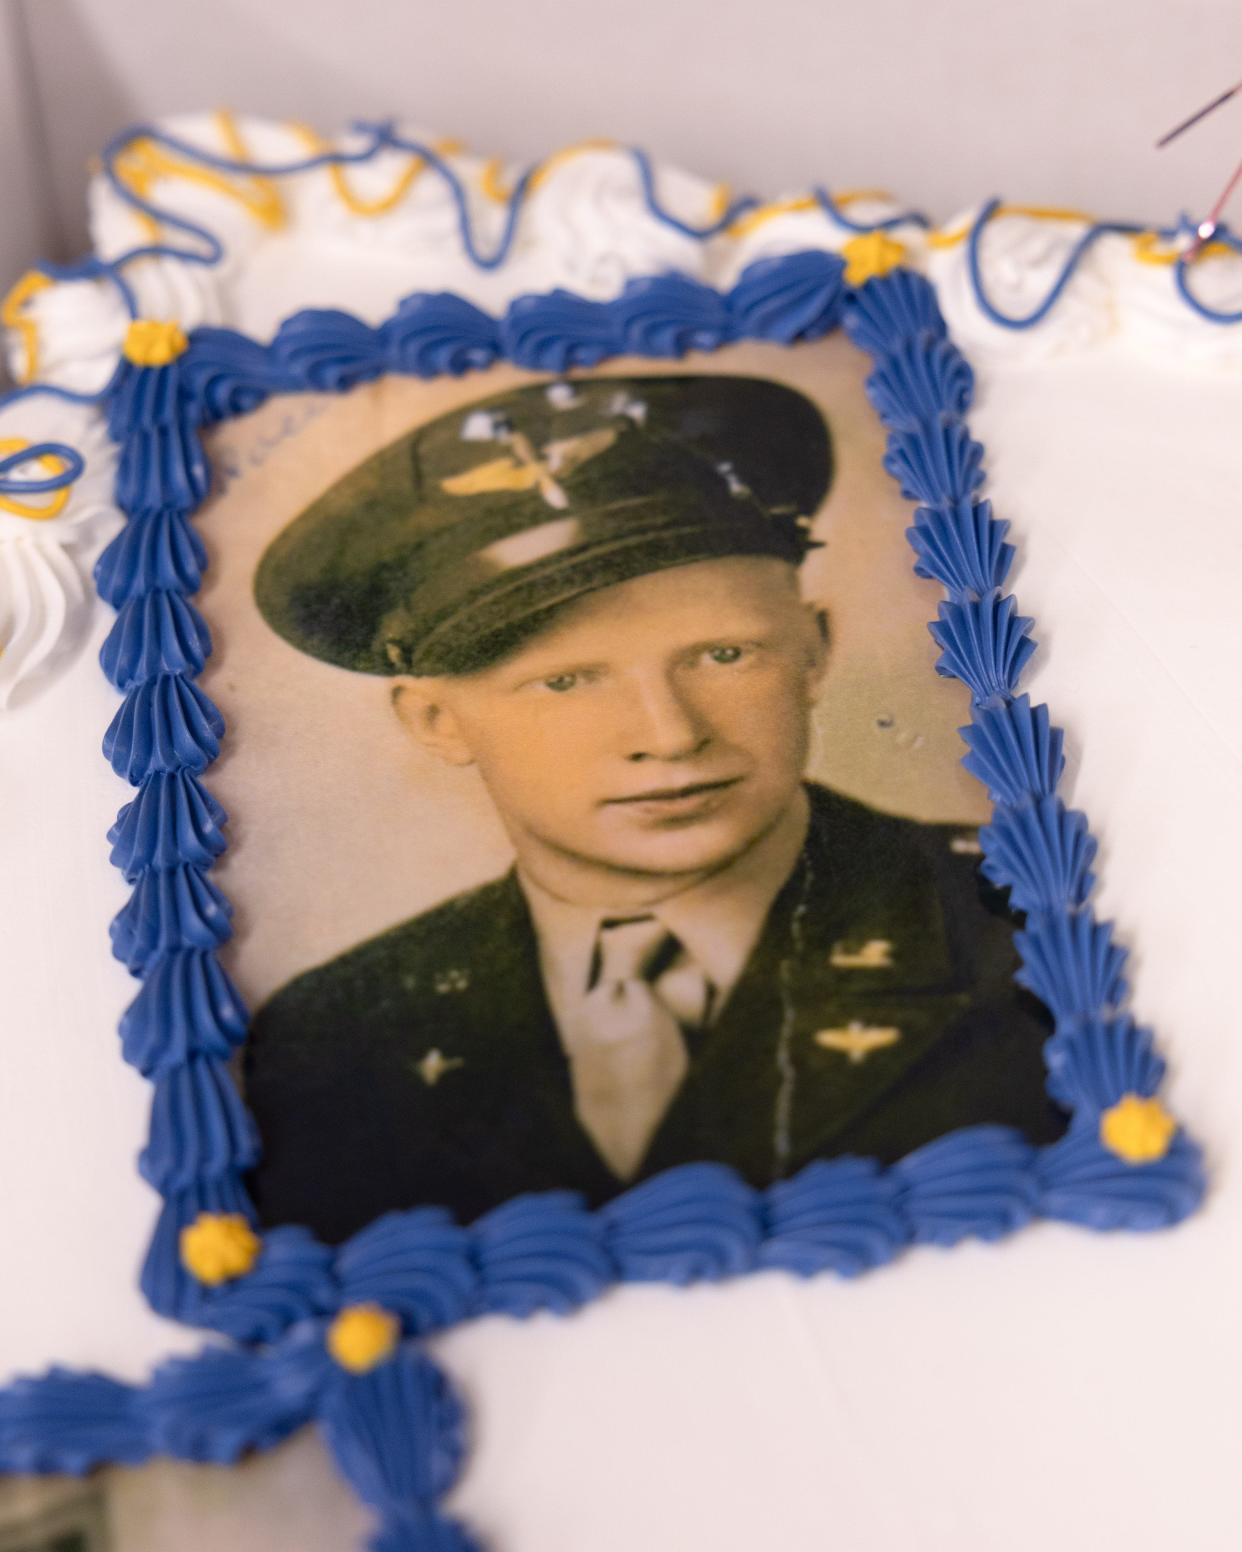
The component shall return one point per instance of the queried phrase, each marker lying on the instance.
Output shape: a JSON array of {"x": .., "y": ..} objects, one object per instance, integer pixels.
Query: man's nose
[{"x": 662, "y": 722}]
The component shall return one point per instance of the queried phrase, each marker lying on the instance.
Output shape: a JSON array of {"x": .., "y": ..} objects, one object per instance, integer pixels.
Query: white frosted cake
[{"x": 449, "y": 431}]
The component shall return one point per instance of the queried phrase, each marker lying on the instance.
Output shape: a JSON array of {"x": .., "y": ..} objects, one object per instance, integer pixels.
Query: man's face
[{"x": 656, "y": 728}]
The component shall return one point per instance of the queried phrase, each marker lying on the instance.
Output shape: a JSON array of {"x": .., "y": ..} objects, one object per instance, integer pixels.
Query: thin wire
[
  {"x": 1207, "y": 228},
  {"x": 1195, "y": 118}
]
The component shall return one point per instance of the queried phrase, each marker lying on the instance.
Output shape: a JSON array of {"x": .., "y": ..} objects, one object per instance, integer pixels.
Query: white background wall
[
  {"x": 28, "y": 220},
  {"x": 941, "y": 100}
]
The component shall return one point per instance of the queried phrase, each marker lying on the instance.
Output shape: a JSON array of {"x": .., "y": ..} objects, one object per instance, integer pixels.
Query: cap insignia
[
  {"x": 857, "y": 1040},
  {"x": 737, "y": 486},
  {"x": 627, "y": 405},
  {"x": 562, "y": 396},
  {"x": 528, "y": 469},
  {"x": 485, "y": 426}
]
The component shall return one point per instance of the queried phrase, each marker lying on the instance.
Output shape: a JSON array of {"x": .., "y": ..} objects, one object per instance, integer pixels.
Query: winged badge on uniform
[{"x": 528, "y": 469}]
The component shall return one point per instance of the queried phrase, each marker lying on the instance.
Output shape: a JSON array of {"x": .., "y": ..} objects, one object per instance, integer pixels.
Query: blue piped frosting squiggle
[
  {"x": 787, "y": 299},
  {"x": 962, "y": 545},
  {"x": 72, "y": 467},
  {"x": 790, "y": 299},
  {"x": 327, "y": 350},
  {"x": 439, "y": 336},
  {"x": 162, "y": 463},
  {"x": 228, "y": 374},
  {"x": 221, "y": 1404},
  {"x": 985, "y": 644},
  {"x": 889, "y": 314},
  {"x": 67, "y": 1422},
  {"x": 695, "y": 1222},
  {"x": 163, "y": 1279},
  {"x": 938, "y": 465},
  {"x": 170, "y": 909},
  {"x": 199, "y": 1127},
  {"x": 1070, "y": 962},
  {"x": 838, "y": 1215},
  {"x": 173, "y": 819},
  {"x": 1082, "y": 1182},
  {"x": 418, "y": 1264},
  {"x": 156, "y": 633},
  {"x": 187, "y": 1007},
  {"x": 1034, "y": 847},
  {"x": 1094, "y": 1062},
  {"x": 559, "y": 331},
  {"x": 165, "y": 724},
  {"x": 291, "y": 1282},
  {"x": 920, "y": 383},
  {"x": 1014, "y": 750},
  {"x": 541, "y": 1253},
  {"x": 161, "y": 553},
  {"x": 1043, "y": 852},
  {"x": 667, "y": 316},
  {"x": 397, "y": 1433},
  {"x": 979, "y": 1182}
]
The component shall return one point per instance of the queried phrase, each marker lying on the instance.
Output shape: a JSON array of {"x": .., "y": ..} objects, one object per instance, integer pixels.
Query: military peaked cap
[{"x": 452, "y": 544}]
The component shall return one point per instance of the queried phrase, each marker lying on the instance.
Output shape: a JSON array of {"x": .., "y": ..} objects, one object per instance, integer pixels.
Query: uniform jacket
[{"x": 876, "y": 1012}]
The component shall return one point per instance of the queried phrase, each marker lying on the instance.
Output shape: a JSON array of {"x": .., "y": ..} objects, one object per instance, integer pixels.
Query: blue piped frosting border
[{"x": 392, "y": 1422}]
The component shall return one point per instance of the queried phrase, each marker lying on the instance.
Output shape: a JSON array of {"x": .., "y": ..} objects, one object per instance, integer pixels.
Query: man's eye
[
  {"x": 560, "y": 682},
  {"x": 726, "y": 655}
]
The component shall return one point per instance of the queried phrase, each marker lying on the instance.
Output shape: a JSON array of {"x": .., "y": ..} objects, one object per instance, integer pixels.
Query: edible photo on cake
[{"x": 598, "y": 809}]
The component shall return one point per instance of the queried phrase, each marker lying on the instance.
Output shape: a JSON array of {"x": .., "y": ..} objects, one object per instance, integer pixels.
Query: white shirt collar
[{"x": 718, "y": 920}]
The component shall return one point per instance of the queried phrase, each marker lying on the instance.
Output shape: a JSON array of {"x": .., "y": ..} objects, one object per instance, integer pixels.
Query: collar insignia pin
[
  {"x": 874, "y": 954},
  {"x": 452, "y": 981},
  {"x": 435, "y": 1064},
  {"x": 857, "y": 1040}
]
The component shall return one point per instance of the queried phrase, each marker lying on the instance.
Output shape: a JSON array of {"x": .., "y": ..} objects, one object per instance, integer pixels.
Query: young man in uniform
[{"x": 589, "y": 591}]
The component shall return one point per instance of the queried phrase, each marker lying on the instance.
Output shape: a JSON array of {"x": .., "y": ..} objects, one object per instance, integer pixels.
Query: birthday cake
[{"x": 579, "y": 818}]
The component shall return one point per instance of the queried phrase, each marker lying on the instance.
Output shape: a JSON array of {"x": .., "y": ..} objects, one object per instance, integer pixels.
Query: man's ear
[
  {"x": 817, "y": 650},
  {"x": 423, "y": 710}
]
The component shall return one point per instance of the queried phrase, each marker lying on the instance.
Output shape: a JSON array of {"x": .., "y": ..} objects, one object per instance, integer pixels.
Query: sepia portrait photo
[{"x": 595, "y": 805}]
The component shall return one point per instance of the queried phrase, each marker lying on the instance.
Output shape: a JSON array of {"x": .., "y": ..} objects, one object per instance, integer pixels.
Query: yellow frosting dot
[
  {"x": 1137, "y": 1130},
  {"x": 154, "y": 342},
  {"x": 871, "y": 254},
  {"x": 362, "y": 1336},
  {"x": 218, "y": 1247}
]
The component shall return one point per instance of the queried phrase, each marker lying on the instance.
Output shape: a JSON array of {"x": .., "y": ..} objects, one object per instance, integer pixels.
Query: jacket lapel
[
  {"x": 521, "y": 1131},
  {"x": 852, "y": 982}
]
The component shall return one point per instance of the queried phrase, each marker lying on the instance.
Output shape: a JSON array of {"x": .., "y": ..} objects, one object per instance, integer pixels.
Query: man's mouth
[{"x": 680, "y": 794}]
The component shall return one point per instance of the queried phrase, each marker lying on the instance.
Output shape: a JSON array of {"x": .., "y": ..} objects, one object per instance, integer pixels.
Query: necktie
[{"x": 627, "y": 1052}]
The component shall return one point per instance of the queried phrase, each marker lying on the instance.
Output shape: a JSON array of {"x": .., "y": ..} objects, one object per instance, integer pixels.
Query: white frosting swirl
[
  {"x": 44, "y": 596},
  {"x": 89, "y": 508},
  {"x": 223, "y": 203},
  {"x": 1020, "y": 259},
  {"x": 1155, "y": 317},
  {"x": 80, "y": 324},
  {"x": 586, "y": 226},
  {"x": 423, "y": 220}
]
